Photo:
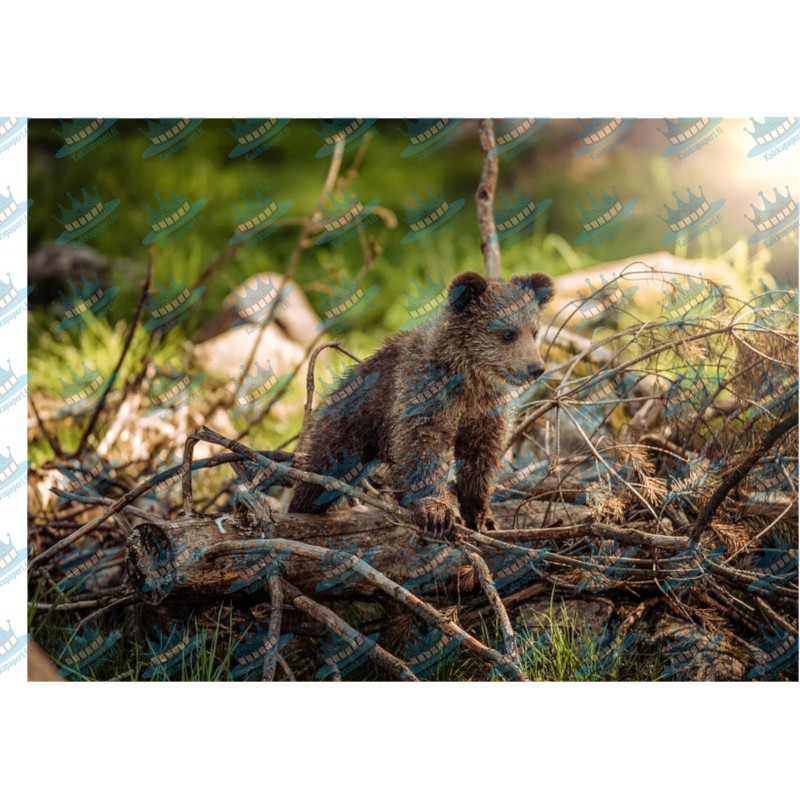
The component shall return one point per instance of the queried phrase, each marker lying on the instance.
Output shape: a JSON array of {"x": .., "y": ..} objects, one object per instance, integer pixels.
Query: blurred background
[{"x": 391, "y": 165}]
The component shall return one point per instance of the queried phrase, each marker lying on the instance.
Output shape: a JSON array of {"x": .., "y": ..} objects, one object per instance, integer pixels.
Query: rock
[
  {"x": 650, "y": 289},
  {"x": 592, "y": 614}
]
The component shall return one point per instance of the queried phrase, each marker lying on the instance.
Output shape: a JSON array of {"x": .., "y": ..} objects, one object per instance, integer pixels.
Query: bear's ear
[
  {"x": 465, "y": 288},
  {"x": 537, "y": 282}
]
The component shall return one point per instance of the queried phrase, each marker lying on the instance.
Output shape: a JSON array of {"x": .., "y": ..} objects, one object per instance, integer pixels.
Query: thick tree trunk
[{"x": 201, "y": 559}]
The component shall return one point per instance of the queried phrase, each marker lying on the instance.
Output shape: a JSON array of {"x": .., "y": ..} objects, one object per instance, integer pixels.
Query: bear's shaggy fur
[{"x": 430, "y": 404}]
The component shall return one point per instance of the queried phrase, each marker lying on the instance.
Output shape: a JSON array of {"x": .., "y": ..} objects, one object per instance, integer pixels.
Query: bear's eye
[{"x": 509, "y": 334}]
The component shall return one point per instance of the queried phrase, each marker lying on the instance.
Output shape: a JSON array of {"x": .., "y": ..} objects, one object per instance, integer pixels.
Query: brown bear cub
[{"x": 434, "y": 404}]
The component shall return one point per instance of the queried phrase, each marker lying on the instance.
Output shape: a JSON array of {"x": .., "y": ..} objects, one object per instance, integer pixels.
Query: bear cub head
[{"x": 492, "y": 327}]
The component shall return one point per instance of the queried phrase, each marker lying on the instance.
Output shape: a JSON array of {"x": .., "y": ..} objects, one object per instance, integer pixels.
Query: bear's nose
[{"x": 535, "y": 371}]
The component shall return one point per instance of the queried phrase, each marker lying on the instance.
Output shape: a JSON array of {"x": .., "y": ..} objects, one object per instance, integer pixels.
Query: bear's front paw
[
  {"x": 437, "y": 517},
  {"x": 481, "y": 520}
]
